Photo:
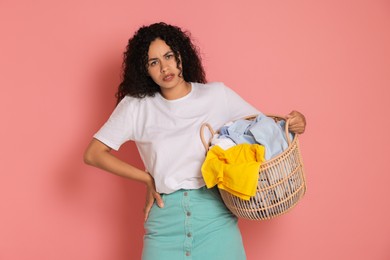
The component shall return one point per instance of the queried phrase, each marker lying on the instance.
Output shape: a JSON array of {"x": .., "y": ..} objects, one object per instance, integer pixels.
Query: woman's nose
[{"x": 163, "y": 66}]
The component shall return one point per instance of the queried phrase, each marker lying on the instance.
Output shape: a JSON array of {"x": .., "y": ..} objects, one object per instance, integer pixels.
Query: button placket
[{"x": 188, "y": 239}]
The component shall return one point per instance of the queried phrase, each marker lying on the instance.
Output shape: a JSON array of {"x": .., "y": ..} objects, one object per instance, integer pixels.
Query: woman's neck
[{"x": 177, "y": 92}]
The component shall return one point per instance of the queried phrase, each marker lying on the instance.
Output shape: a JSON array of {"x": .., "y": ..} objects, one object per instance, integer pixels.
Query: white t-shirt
[{"x": 167, "y": 132}]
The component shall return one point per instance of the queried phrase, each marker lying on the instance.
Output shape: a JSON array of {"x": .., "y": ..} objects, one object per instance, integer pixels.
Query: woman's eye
[
  {"x": 169, "y": 56},
  {"x": 153, "y": 63}
]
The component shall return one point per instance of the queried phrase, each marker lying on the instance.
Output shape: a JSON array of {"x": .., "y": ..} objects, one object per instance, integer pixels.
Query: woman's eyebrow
[{"x": 167, "y": 53}]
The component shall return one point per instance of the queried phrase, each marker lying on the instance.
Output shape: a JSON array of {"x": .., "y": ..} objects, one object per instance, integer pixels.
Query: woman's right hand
[{"x": 151, "y": 195}]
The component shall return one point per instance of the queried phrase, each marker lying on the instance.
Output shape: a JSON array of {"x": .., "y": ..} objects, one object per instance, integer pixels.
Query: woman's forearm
[{"x": 99, "y": 155}]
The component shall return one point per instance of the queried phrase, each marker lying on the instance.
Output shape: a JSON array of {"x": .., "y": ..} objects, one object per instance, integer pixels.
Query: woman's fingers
[
  {"x": 148, "y": 205},
  {"x": 297, "y": 122},
  {"x": 159, "y": 200},
  {"x": 151, "y": 196}
]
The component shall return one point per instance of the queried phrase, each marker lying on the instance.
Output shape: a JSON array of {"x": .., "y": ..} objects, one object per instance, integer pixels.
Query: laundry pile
[{"x": 237, "y": 152}]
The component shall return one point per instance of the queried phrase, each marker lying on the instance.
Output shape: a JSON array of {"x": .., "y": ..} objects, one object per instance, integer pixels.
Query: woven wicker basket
[{"x": 281, "y": 182}]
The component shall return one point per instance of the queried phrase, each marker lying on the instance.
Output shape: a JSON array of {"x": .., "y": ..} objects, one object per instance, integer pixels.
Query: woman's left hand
[{"x": 297, "y": 123}]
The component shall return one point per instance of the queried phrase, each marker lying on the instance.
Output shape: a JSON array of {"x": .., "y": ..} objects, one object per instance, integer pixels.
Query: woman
[{"x": 162, "y": 102}]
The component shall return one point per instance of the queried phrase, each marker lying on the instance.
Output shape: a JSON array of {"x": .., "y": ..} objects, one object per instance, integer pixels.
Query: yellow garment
[{"x": 235, "y": 170}]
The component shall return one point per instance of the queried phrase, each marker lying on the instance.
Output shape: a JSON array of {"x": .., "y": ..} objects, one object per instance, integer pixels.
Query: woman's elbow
[
  {"x": 88, "y": 157},
  {"x": 94, "y": 152},
  {"x": 91, "y": 153}
]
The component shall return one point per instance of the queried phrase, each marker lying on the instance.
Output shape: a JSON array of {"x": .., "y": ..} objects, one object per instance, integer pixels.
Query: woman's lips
[{"x": 169, "y": 77}]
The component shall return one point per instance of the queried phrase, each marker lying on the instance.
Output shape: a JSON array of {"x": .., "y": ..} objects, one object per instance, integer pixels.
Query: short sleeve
[
  {"x": 119, "y": 127},
  {"x": 237, "y": 106}
]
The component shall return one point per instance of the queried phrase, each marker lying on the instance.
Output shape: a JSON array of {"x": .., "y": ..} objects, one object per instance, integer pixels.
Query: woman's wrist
[{"x": 149, "y": 181}]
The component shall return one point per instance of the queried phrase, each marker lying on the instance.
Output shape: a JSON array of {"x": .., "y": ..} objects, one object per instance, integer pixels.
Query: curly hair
[{"x": 135, "y": 78}]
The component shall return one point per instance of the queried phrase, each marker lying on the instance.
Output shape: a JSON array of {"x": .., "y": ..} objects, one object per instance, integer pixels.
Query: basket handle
[
  {"x": 206, "y": 144},
  {"x": 289, "y": 141}
]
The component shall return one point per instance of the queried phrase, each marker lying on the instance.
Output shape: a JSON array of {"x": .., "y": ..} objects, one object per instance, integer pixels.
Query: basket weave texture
[{"x": 280, "y": 186}]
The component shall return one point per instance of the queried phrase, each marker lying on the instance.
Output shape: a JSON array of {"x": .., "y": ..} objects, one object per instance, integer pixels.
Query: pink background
[{"x": 59, "y": 69}]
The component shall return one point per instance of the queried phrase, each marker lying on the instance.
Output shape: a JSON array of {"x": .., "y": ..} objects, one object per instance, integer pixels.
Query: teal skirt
[{"x": 193, "y": 225}]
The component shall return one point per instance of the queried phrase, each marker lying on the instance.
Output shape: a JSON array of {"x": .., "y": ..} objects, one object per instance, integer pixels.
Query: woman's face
[{"x": 162, "y": 66}]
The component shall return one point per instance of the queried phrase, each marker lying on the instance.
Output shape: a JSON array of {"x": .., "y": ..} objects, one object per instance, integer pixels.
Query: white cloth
[
  {"x": 166, "y": 132},
  {"x": 223, "y": 142}
]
